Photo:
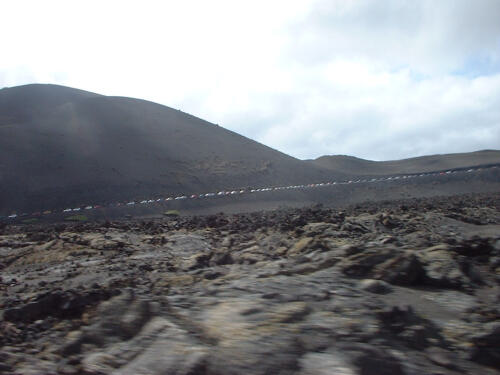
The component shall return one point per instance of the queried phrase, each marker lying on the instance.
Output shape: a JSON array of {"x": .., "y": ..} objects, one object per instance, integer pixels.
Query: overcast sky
[{"x": 375, "y": 79}]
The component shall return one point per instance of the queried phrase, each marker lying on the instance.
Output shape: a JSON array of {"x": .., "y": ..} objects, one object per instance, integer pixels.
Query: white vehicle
[
  {"x": 169, "y": 199},
  {"x": 221, "y": 193},
  {"x": 144, "y": 202},
  {"x": 13, "y": 216},
  {"x": 158, "y": 200},
  {"x": 89, "y": 207},
  {"x": 76, "y": 209},
  {"x": 150, "y": 201},
  {"x": 209, "y": 194},
  {"x": 130, "y": 203},
  {"x": 67, "y": 210}
]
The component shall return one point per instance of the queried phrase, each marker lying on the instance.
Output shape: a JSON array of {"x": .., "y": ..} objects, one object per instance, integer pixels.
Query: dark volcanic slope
[
  {"x": 352, "y": 165},
  {"x": 61, "y": 146}
]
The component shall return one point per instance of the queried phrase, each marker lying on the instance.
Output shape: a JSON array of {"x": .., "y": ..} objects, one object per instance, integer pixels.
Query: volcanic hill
[{"x": 61, "y": 146}]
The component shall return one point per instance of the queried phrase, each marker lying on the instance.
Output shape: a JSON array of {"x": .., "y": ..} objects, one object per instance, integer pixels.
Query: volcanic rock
[{"x": 292, "y": 291}]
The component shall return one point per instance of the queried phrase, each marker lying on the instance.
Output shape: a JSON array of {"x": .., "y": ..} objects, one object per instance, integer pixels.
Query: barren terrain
[
  {"x": 400, "y": 287},
  {"x": 63, "y": 147}
]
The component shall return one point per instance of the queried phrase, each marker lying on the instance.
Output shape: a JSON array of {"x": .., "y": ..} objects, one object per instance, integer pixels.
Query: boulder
[
  {"x": 252, "y": 339},
  {"x": 442, "y": 268},
  {"x": 403, "y": 269},
  {"x": 375, "y": 286},
  {"x": 486, "y": 345},
  {"x": 363, "y": 264},
  {"x": 300, "y": 246}
]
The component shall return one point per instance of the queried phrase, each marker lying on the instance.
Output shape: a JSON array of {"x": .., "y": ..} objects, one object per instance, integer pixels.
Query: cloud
[
  {"x": 379, "y": 80},
  {"x": 431, "y": 37}
]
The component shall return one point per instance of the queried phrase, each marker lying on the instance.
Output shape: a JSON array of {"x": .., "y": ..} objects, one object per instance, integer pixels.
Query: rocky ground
[{"x": 402, "y": 287}]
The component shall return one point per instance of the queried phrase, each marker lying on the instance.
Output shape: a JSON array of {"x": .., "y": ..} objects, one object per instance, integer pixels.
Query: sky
[{"x": 380, "y": 80}]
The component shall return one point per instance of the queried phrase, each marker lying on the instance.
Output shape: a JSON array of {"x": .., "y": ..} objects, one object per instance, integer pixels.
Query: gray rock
[
  {"x": 403, "y": 269},
  {"x": 441, "y": 357},
  {"x": 171, "y": 351},
  {"x": 441, "y": 268},
  {"x": 371, "y": 360},
  {"x": 363, "y": 263},
  {"x": 486, "y": 345},
  {"x": 326, "y": 364},
  {"x": 120, "y": 318},
  {"x": 252, "y": 343},
  {"x": 300, "y": 246},
  {"x": 375, "y": 286},
  {"x": 185, "y": 245}
]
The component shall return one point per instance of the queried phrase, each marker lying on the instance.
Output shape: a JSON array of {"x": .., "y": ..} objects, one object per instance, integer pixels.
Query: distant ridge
[{"x": 352, "y": 165}]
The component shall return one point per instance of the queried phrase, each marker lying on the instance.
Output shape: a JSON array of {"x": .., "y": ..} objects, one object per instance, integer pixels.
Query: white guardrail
[{"x": 237, "y": 192}]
